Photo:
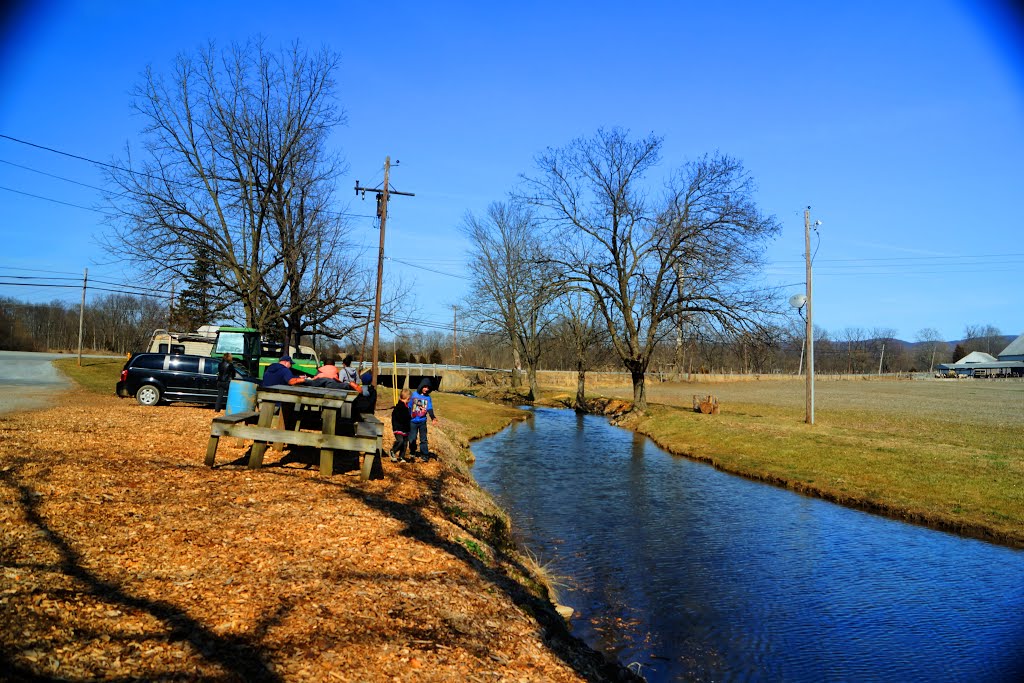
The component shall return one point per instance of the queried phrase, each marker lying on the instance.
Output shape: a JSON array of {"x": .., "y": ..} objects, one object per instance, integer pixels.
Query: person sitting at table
[
  {"x": 278, "y": 373},
  {"x": 349, "y": 376},
  {"x": 328, "y": 370},
  {"x": 326, "y": 377}
]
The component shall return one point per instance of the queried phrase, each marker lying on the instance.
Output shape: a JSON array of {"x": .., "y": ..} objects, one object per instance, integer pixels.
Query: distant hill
[{"x": 998, "y": 343}]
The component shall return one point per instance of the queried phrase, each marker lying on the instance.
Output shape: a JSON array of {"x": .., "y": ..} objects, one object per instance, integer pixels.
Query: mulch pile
[{"x": 123, "y": 557}]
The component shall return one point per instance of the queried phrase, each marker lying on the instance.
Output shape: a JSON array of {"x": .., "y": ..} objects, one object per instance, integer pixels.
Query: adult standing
[
  {"x": 225, "y": 374},
  {"x": 420, "y": 407}
]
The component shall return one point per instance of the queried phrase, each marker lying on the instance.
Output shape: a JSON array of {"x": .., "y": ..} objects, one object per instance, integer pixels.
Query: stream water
[{"x": 688, "y": 573}]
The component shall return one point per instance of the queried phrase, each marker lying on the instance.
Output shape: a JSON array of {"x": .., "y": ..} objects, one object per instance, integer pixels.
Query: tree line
[{"x": 123, "y": 323}]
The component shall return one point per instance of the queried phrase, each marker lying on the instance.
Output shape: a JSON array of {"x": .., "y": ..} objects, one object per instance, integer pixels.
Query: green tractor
[{"x": 245, "y": 344}]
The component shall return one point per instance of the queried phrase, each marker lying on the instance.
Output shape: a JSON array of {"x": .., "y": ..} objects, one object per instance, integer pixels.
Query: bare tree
[
  {"x": 515, "y": 285},
  {"x": 982, "y": 338},
  {"x": 646, "y": 262},
  {"x": 235, "y": 166},
  {"x": 932, "y": 345}
]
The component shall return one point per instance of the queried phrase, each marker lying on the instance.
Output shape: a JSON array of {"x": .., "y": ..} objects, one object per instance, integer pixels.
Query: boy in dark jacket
[{"x": 400, "y": 426}]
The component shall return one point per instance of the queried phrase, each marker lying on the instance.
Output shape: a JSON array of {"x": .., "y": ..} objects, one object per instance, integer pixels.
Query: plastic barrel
[{"x": 241, "y": 396}]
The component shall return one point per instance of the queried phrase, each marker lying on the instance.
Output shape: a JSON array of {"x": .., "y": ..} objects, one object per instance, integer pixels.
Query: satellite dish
[{"x": 797, "y": 300}]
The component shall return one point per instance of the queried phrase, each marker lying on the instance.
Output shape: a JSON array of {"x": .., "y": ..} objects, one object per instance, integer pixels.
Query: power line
[
  {"x": 908, "y": 258},
  {"x": 55, "y": 201},
  {"x": 52, "y": 175},
  {"x": 36, "y": 284},
  {"x": 38, "y": 277},
  {"x": 123, "y": 169},
  {"x": 37, "y": 270},
  {"x": 419, "y": 267},
  {"x": 124, "y": 284}
]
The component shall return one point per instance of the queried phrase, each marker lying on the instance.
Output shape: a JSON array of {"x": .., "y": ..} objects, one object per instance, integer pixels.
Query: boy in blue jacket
[{"x": 420, "y": 407}]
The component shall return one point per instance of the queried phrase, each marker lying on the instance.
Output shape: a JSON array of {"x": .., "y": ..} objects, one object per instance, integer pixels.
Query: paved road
[{"x": 29, "y": 380}]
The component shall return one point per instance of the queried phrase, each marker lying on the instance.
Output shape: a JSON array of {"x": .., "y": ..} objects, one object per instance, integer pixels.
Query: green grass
[
  {"x": 477, "y": 418},
  {"x": 98, "y": 375}
]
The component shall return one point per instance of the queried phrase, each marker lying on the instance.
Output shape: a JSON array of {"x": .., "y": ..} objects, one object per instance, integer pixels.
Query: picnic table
[{"x": 364, "y": 432}]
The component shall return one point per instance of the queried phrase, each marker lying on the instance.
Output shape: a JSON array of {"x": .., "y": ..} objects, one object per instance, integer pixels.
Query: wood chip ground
[{"x": 122, "y": 557}]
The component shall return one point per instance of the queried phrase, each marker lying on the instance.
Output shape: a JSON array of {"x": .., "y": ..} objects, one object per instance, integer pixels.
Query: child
[{"x": 400, "y": 426}]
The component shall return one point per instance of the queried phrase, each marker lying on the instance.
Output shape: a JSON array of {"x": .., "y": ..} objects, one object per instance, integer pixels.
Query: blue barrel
[{"x": 241, "y": 396}]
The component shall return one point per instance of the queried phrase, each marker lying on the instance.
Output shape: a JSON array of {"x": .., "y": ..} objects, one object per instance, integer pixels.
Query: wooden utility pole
[
  {"x": 81, "y": 315},
  {"x": 455, "y": 327},
  {"x": 810, "y": 324},
  {"x": 880, "y": 359},
  {"x": 383, "y": 195},
  {"x": 366, "y": 333}
]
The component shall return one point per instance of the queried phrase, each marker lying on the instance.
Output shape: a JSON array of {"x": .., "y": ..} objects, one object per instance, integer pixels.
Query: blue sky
[{"x": 900, "y": 124}]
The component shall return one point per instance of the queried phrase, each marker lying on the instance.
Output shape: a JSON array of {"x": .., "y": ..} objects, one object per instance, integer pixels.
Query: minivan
[{"x": 165, "y": 377}]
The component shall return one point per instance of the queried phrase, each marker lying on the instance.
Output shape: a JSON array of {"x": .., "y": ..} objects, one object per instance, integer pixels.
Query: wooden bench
[{"x": 220, "y": 426}]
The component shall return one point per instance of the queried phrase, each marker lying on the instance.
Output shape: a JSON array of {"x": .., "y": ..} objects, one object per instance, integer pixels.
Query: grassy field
[{"x": 945, "y": 453}]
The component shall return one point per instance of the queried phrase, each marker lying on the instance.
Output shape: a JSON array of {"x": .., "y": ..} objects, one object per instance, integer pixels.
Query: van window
[
  {"x": 149, "y": 362},
  {"x": 184, "y": 363}
]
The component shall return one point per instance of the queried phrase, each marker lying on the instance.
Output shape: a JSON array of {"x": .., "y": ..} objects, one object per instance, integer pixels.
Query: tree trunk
[
  {"x": 517, "y": 366},
  {"x": 581, "y": 381},
  {"x": 531, "y": 377},
  {"x": 639, "y": 390}
]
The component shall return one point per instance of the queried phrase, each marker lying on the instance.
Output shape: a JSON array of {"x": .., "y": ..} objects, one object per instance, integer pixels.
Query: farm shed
[{"x": 1010, "y": 363}]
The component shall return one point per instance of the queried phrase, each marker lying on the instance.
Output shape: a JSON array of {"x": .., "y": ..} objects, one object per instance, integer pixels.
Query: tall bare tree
[
  {"x": 235, "y": 164},
  {"x": 691, "y": 252},
  {"x": 515, "y": 285},
  {"x": 983, "y": 338},
  {"x": 931, "y": 345}
]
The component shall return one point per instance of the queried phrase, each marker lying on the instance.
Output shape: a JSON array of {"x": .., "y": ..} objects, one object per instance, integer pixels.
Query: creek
[{"x": 688, "y": 573}]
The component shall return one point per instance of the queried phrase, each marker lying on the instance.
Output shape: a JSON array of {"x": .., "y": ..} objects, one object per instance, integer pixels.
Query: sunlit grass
[
  {"x": 476, "y": 417},
  {"x": 98, "y": 375}
]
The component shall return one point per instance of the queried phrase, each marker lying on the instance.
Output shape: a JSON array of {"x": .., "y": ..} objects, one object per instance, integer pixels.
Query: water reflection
[{"x": 695, "y": 574}]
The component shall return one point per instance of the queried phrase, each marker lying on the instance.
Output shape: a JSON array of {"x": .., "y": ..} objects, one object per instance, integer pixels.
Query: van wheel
[{"x": 148, "y": 395}]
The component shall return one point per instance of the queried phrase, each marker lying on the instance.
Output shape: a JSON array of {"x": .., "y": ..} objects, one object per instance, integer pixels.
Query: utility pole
[
  {"x": 455, "y": 344},
  {"x": 880, "y": 359},
  {"x": 170, "y": 311},
  {"x": 810, "y": 324},
  {"x": 383, "y": 195},
  {"x": 366, "y": 333},
  {"x": 81, "y": 316}
]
